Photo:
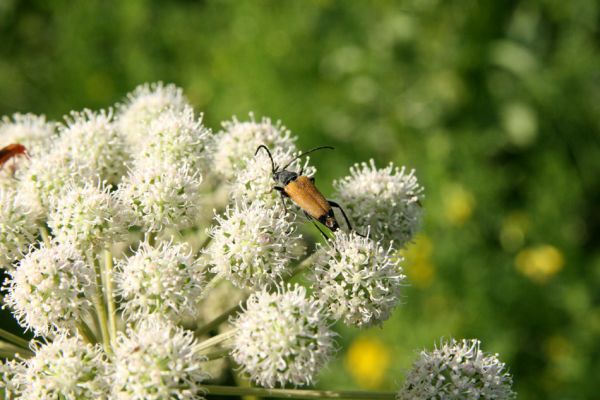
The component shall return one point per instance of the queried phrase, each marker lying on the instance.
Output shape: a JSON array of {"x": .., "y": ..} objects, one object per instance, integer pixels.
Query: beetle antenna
[
  {"x": 262, "y": 146},
  {"x": 303, "y": 154}
]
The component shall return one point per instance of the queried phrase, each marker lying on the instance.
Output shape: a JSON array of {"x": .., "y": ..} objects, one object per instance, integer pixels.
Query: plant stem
[
  {"x": 219, "y": 320},
  {"x": 216, "y": 354},
  {"x": 45, "y": 236},
  {"x": 298, "y": 394},
  {"x": 14, "y": 339},
  {"x": 112, "y": 312},
  {"x": 11, "y": 349},
  {"x": 213, "y": 341},
  {"x": 99, "y": 304},
  {"x": 86, "y": 332},
  {"x": 304, "y": 264},
  {"x": 206, "y": 242}
]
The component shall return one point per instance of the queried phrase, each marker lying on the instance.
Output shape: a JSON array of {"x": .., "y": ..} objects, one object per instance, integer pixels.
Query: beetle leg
[
  {"x": 336, "y": 205},
  {"x": 311, "y": 219},
  {"x": 283, "y": 195}
]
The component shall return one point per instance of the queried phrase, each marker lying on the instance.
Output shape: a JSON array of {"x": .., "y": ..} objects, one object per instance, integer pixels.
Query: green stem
[
  {"x": 214, "y": 355},
  {"x": 211, "y": 284},
  {"x": 99, "y": 304},
  {"x": 297, "y": 394},
  {"x": 215, "y": 340},
  {"x": 304, "y": 264},
  {"x": 112, "y": 312},
  {"x": 86, "y": 332},
  {"x": 14, "y": 339},
  {"x": 11, "y": 349},
  {"x": 219, "y": 320},
  {"x": 205, "y": 243},
  {"x": 45, "y": 236}
]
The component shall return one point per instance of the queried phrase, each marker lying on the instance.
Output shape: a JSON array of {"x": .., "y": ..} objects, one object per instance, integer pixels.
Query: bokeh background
[{"x": 495, "y": 103}]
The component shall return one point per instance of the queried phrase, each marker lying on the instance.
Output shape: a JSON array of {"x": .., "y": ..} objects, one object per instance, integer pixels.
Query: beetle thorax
[{"x": 284, "y": 177}]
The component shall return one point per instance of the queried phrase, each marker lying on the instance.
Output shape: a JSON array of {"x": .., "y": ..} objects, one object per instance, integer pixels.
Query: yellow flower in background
[
  {"x": 418, "y": 265},
  {"x": 458, "y": 204},
  {"x": 539, "y": 263},
  {"x": 513, "y": 230},
  {"x": 367, "y": 360}
]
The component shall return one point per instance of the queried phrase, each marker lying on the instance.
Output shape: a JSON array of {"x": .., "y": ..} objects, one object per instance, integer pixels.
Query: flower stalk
[
  {"x": 112, "y": 312},
  {"x": 297, "y": 393},
  {"x": 98, "y": 300}
]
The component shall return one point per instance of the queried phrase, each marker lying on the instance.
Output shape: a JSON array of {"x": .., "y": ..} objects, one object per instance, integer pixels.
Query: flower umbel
[
  {"x": 50, "y": 290},
  {"x": 67, "y": 368},
  {"x": 253, "y": 245},
  {"x": 388, "y": 200},
  {"x": 457, "y": 370},
  {"x": 165, "y": 280},
  {"x": 358, "y": 279},
  {"x": 157, "y": 360},
  {"x": 282, "y": 337}
]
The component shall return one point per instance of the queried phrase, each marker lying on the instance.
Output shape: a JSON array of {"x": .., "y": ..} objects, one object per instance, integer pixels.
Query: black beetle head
[{"x": 284, "y": 177}]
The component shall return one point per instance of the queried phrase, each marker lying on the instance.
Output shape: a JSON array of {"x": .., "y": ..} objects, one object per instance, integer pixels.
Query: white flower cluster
[
  {"x": 144, "y": 105},
  {"x": 164, "y": 280},
  {"x": 50, "y": 290},
  {"x": 358, "y": 280},
  {"x": 91, "y": 139},
  {"x": 235, "y": 145},
  {"x": 110, "y": 262},
  {"x": 283, "y": 338},
  {"x": 67, "y": 368},
  {"x": 253, "y": 245},
  {"x": 157, "y": 360},
  {"x": 457, "y": 370},
  {"x": 86, "y": 216},
  {"x": 387, "y": 200}
]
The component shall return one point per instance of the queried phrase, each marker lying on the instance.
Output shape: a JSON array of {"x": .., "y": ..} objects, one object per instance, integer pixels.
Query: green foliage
[{"x": 496, "y": 104}]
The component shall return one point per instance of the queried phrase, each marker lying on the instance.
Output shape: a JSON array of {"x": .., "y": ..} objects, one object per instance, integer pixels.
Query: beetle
[
  {"x": 302, "y": 190},
  {"x": 10, "y": 151}
]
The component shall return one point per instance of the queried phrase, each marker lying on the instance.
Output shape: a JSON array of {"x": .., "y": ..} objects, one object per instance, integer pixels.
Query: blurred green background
[{"x": 496, "y": 104}]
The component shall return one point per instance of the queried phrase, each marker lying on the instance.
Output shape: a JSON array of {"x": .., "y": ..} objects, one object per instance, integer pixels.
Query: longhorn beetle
[
  {"x": 10, "y": 151},
  {"x": 302, "y": 190}
]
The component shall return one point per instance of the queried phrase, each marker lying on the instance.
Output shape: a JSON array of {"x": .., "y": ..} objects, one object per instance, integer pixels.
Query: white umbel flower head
[
  {"x": 157, "y": 360},
  {"x": 178, "y": 137},
  {"x": 145, "y": 104},
  {"x": 358, "y": 280},
  {"x": 50, "y": 289},
  {"x": 87, "y": 216},
  {"x": 67, "y": 368},
  {"x": 162, "y": 194},
  {"x": 47, "y": 176},
  {"x": 388, "y": 200},
  {"x": 253, "y": 245},
  {"x": 457, "y": 370},
  {"x": 18, "y": 227},
  {"x": 32, "y": 131},
  {"x": 165, "y": 280},
  {"x": 91, "y": 138},
  {"x": 282, "y": 337},
  {"x": 236, "y": 143}
]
